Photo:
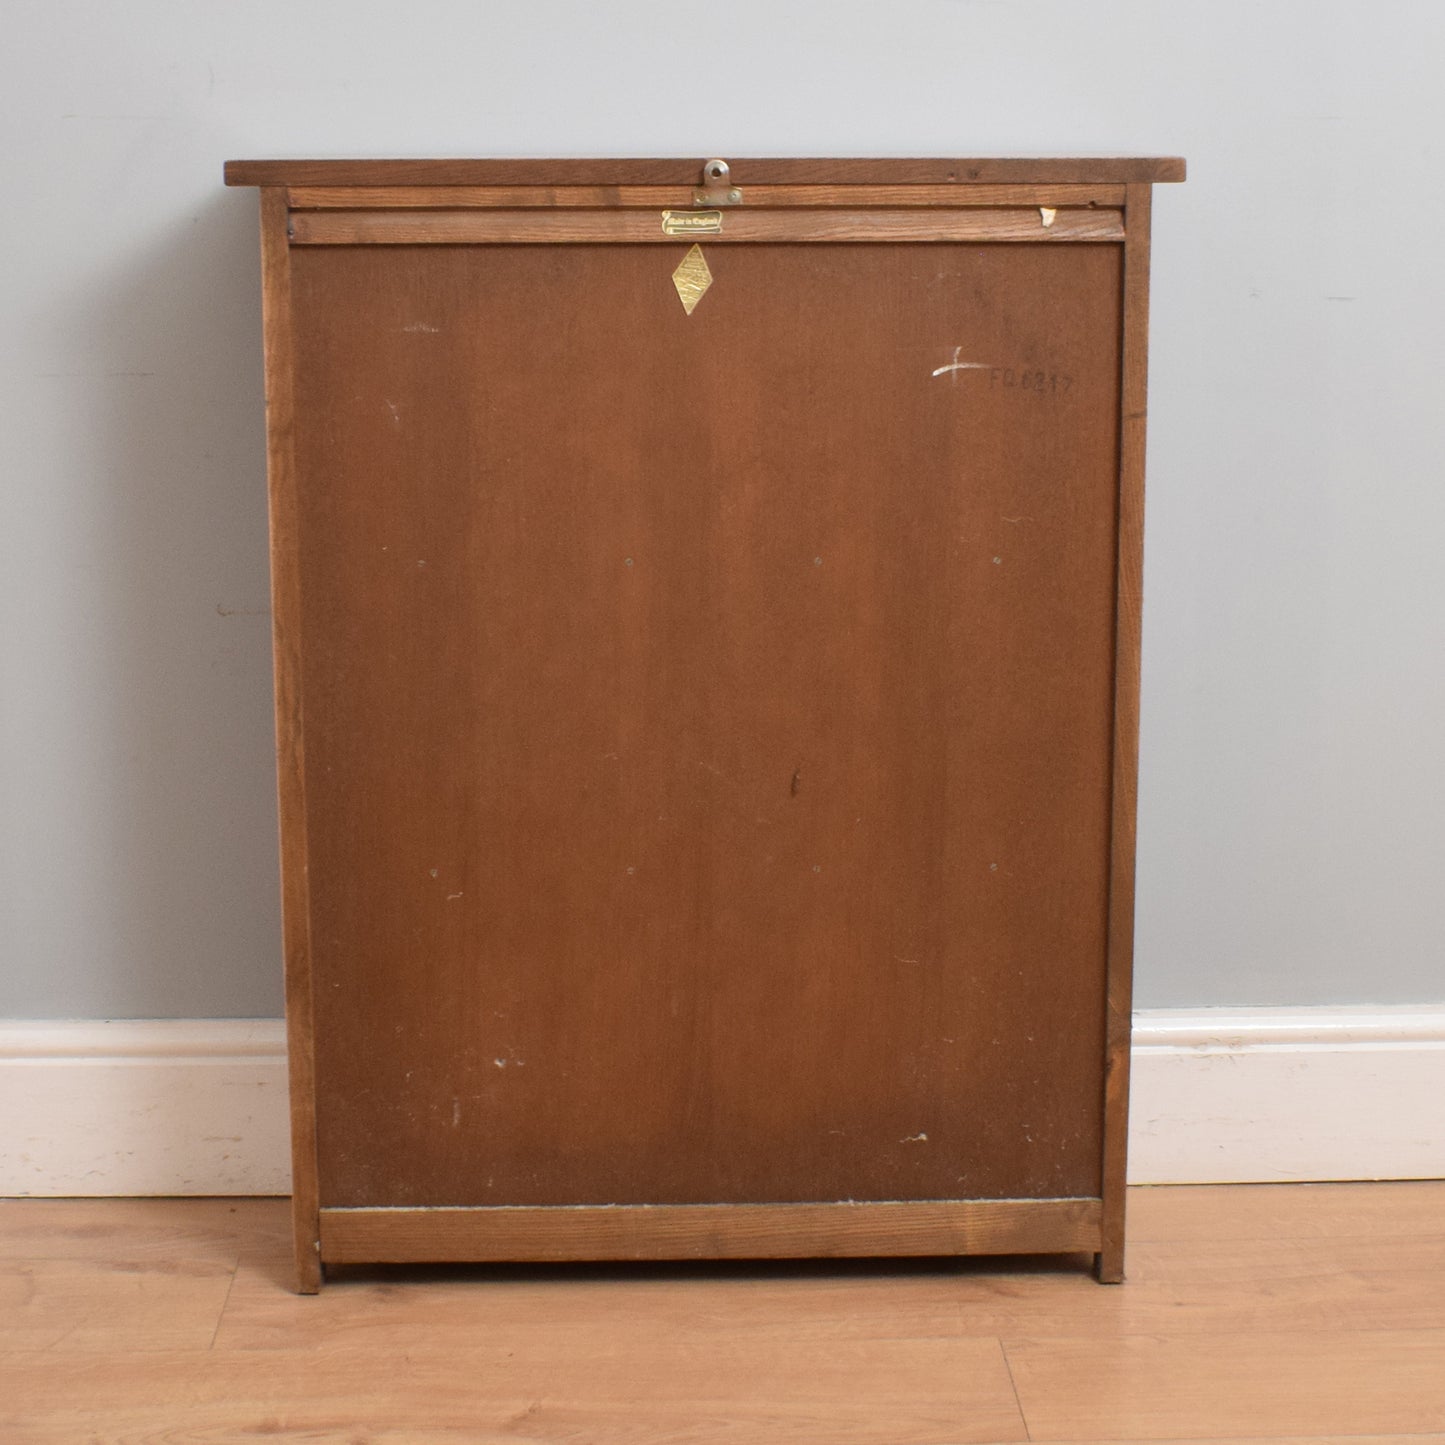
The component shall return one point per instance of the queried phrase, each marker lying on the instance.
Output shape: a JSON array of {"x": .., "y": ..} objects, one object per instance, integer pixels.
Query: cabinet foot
[
  {"x": 309, "y": 1270},
  {"x": 1109, "y": 1265}
]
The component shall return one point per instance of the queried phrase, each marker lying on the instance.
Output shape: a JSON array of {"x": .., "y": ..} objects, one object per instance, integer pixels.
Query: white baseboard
[
  {"x": 1281, "y": 1094},
  {"x": 198, "y": 1106},
  {"x": 165, "y": 1106}
]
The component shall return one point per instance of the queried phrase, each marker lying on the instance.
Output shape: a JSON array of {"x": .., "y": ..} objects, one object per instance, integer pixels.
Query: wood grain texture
[
  {"x": 1198, "y": 1217},
  {"x": 561, "y": 226},
  {"x": 141, "y": 1229},
  {"x": 1250, "y": 1286},
  {"x": 701, "y": 1231},
  {"x": 114, "y": 1304},
  {"x": 286, "y": 582},
  {"x": 323, "y": 198},
  {"x": 746, "y": 800},
  {"x": 569, "y": 1308},
  {"x": 1134, "y": 370},
  {"x": 1301, "y": 1382},
  {"x": 1428, "y": 1438},
  {"x": 903, "y": 1391},
  {"x": 1244, "y": 1287},
  {"x": 1291, "y": 1314},
  {"x": 1101, "y": 170}
]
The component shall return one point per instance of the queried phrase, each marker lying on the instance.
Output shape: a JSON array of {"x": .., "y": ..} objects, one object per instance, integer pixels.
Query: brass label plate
[
  {"x": 691, "y": 223},
  {"x": 692, "y": 278}
]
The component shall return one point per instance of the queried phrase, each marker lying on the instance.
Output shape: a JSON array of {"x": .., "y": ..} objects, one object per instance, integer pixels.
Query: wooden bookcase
[{"x": 707, "y": 642}]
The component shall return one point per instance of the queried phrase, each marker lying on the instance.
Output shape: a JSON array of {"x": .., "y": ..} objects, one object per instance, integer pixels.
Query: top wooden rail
[{"x": 929, "y": 171}]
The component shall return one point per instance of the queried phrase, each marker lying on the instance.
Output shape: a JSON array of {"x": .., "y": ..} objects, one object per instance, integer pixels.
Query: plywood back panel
[{"x": 708, "y": 719}]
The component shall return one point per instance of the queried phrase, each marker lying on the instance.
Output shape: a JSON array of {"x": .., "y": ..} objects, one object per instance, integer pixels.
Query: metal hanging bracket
[{"x": 717, "y": 188}]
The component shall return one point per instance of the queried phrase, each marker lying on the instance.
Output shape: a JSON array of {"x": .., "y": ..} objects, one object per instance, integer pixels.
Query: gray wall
[{"x": 1291, "y": 838}]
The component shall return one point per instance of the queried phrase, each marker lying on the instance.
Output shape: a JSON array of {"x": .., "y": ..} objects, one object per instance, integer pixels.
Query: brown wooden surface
[
  {"x": 286, "y": 583},
  {"x": 648, "y": 858},
  {"x": 323, "y": 198},
  {"x": 1300, "y": 1315},
  {"x": 1102, "y": 170},
  {"x": 711, "y": 1231},
  {"x": 401, "y": 228},
  {"x": 708, "y": 720},
  {"x": 1129, "y": 598}
]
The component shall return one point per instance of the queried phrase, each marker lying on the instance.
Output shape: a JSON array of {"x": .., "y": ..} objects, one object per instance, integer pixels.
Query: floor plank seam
[
  {"x": 221, "y": 1313},
  {"x": 1183, "y": 1336},
  {"x": 1013, "y": 1385}
]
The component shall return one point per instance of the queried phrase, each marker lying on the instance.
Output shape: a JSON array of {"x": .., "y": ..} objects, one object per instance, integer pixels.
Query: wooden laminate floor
[{"x": 1296, "y": 1312}]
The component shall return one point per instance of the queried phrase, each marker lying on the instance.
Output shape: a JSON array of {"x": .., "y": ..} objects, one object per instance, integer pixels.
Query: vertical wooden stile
[
  {"x": 1134, "y": 369},
  {"x": 290, "y": 755}
]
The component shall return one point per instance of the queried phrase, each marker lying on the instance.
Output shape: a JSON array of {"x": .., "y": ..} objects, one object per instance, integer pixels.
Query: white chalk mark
[
  {"x": 422, "y": 326},
  {"x": 395, "y": 413},
  {"x": 956, "y": 365},
  {"x": 1046, "y": 215},
  {"x": 452, "y": 897},
  {"x": 915, "y": 1139}
]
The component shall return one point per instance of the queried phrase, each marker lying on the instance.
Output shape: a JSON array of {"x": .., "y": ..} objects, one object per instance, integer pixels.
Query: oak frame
[{"x": 1105, "y": 201}]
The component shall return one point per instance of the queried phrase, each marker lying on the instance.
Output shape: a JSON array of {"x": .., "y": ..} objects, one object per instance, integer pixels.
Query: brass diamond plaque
[{"x": 692, "y": 278}]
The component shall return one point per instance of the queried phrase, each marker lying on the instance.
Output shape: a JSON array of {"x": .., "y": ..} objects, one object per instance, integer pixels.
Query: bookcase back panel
[{"x": 707, "y": 718}]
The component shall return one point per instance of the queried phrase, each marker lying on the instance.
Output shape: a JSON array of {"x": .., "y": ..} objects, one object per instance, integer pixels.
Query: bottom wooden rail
[{"x": 709, "y": 1231}]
